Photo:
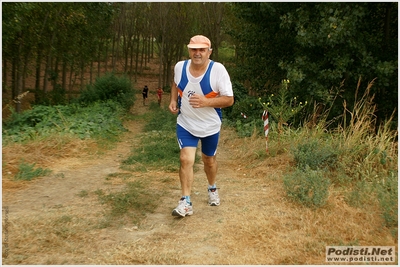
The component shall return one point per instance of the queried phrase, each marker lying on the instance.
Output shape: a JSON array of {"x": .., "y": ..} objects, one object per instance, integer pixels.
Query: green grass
[
  {"x": 134, "y": 201},
  {"x": 159, "y": 148},
  {"x": 27, "y": 172}
]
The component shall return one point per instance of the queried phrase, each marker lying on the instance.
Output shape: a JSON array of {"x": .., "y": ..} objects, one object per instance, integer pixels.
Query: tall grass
[
  {"x": 361, "y": 156},
  {"x": 368, "y": 151}
]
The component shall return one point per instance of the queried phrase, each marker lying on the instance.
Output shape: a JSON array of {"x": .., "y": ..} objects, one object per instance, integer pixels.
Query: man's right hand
[{"x": 173, "y": 107}]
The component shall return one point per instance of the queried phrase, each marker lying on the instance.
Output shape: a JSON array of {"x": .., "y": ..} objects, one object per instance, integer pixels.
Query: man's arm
[
  {"x": 199, "y": 101},
  {"x": 173, "y": 104}
]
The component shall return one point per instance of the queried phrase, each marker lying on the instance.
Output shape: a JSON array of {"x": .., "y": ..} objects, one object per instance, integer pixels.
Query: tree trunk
[
  {"x": 99, "y": 60},
  {"x": 55, "y": 74},
  {"x": 91, "y": 72},
  {"x": 131, "y": 65},
  {"x": 64, "y": 75},
  {"x": 38, "y": 72},
  {"x": 46, "y": 73},
  {"x": 82, "y": 74},
  {"x": 137, "y": 56},
  {"x": 106, "y": 59},
  {"x": 5, "y": 79}
]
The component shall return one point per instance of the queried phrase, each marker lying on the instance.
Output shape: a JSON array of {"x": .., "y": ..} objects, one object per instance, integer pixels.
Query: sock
[
  {"x": 187, "y": 199},
  {"x": 212, "y": 187}
]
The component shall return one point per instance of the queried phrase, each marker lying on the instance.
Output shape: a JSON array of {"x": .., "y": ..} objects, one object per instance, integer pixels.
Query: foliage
[
  {"x": 57, "y": 96},
  {"x": 37, "y": 33},
  {"x": 315, "y": 154},
  {"x": 367, "y": 149},
  {"x": 307, "y": 186},
  {"x": 98, "y": 120},
  {"x": 388, "y": 199},
  {"x": 324, "y": 44},
  {"x": 27, "y": 171},
  {"x": 109, "y": 87},
  {"x": 281, "y": 107},
  {"x": 247, "y": 127}
]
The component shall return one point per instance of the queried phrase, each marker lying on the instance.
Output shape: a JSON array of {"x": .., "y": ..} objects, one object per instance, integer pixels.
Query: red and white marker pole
[{"x": 266, "y": 128}]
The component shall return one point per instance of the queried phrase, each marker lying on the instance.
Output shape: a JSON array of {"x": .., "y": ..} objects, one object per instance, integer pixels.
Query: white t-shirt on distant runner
[{"x": 201, "y": 122}]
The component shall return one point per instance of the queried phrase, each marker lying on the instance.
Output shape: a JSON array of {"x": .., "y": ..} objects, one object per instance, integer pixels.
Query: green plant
[
  {"x": 27, "y": 171},
  {"x": 282, "y": 107},
  {"x": 368, "y": 150},
  {"x": 315, "y": 153},
  {"x": 99, "y": 120},
  {"x": 388, "y": 199},
  {"x": 308, "y": 187},
  {"x": 109, "y": 87},
  {"x": 245, "y": 128}
]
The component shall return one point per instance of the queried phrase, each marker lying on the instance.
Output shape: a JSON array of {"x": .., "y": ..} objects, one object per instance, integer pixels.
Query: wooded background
[{"x": 319, "y": 47}]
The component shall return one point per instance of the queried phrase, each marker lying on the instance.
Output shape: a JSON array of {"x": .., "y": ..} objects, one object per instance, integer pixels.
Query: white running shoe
[
  {"x": 184, "y": 208},
  {"x": 213, "y": 198}
]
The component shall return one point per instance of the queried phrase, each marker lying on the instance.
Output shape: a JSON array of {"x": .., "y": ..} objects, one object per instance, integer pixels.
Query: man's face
[{"x": 199, "y": 56}]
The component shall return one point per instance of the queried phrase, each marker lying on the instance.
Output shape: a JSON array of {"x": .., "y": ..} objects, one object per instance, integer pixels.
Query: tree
[{"x": 317, "y": 46}]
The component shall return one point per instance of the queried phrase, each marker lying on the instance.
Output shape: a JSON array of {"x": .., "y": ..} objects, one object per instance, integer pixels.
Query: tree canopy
[{"x": 317, "y": 46}]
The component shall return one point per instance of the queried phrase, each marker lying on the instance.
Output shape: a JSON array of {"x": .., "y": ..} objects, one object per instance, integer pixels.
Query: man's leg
[
  {"x": 186, "y": 176},
  {"x": 209, "y": 149},
  {"x": 188, "y": 145},
  {"x": 210, "y": 168}
]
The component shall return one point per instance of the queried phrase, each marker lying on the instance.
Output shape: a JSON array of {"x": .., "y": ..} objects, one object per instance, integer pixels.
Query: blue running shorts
[{"x": 208, "y": 144}]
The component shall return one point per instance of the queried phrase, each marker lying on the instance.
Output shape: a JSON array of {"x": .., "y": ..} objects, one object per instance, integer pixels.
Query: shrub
[
  {"x": 388, "y": 199},
  {"x": 109, "y": 87},
  {"x": 315, "y": 154},
  {"x": 98, "y": 120},
  {"x": 248, "y": 106},
  {"x": 308, "y": 187}
]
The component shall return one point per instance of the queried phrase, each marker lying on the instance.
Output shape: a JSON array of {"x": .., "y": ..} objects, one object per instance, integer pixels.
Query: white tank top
[{"x": 201, "y": 122}]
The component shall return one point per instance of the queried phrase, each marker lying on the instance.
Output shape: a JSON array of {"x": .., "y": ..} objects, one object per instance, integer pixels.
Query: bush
[
  {"x": 315, "y": 154},
  {"x": 308, "y": 187},
  {"x": 248, "y": 106},
  {"x": 98, "y": 120},
  {"x": 109, "y": 87},
  {"x": 388, "y": 200}
]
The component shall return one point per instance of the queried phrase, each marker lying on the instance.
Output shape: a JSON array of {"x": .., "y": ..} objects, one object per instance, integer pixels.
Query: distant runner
[
  {"x": 159, "y": 95},
  {"x": 145, "y": 94}
]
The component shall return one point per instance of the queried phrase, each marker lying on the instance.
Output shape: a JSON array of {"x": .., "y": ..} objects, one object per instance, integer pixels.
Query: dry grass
[{"x": 45, "y": 153}]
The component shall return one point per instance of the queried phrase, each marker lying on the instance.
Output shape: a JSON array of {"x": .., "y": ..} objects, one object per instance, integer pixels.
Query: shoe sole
[
  {"x": 213, "y": 204},
  {"x": 176, "y": 213}
]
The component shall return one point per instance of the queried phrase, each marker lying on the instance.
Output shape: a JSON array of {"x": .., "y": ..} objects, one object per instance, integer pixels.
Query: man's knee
[
  {"x": 209, "y": 160},
  {"x": 187, "y": 156}
]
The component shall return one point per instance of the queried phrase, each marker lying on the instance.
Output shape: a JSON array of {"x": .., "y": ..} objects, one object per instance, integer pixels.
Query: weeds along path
[{"x": 59, "y": 219}]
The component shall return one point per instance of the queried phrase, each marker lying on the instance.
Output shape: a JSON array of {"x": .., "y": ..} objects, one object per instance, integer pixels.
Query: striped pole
[{"x": 266, "y": 128}]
